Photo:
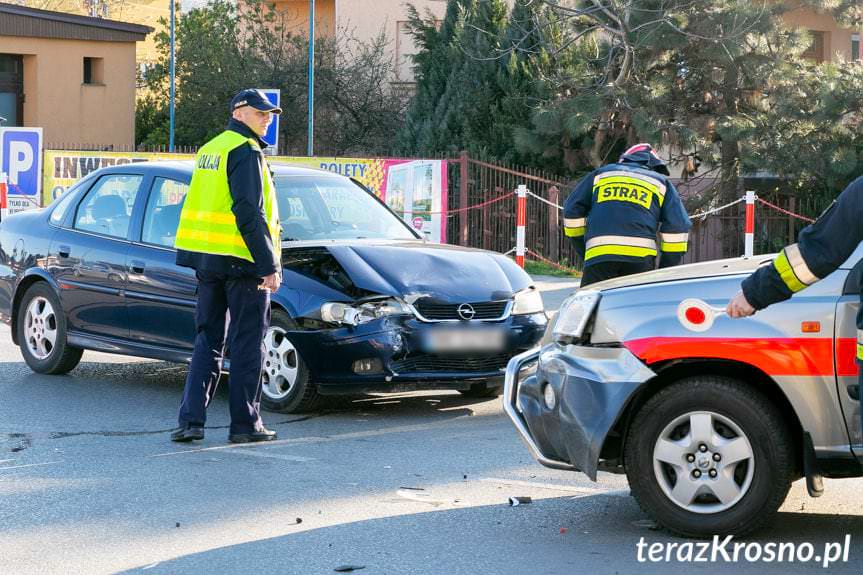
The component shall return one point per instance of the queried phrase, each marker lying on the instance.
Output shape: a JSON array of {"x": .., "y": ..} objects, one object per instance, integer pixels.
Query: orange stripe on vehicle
[{"x": 780, "y": 356}]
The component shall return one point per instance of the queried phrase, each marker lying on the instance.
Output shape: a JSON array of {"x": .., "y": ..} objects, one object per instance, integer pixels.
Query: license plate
[{"x": 454, "y": 340}]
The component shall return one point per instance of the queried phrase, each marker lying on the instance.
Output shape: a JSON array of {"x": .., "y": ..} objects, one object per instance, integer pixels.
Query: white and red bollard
[
  {"x": 749, "y": 231},
  {"x": 520, "y": 223},
  {"x": 4, "y": 200}
]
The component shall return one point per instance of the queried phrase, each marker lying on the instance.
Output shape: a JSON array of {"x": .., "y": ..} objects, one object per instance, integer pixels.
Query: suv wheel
[
  {"x": 286, "y": 385},
  {"x": 42, "y": 332},
  {"x": 709, "y": 456}
]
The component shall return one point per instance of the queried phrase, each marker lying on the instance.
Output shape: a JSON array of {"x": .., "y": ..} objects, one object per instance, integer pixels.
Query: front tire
[
  {"x": 709, "y": 456},
  {"x": 42, "y": 332},
  {"x": 285, "y": 377}
]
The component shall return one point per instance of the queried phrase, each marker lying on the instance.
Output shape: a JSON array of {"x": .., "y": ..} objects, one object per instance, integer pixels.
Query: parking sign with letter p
[{"x": 21, "y": 161}]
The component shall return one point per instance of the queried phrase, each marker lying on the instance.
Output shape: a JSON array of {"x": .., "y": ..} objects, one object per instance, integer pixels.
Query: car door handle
[
  {"x": 137, "y": 266},
  {"x": 64, "y": 251}
]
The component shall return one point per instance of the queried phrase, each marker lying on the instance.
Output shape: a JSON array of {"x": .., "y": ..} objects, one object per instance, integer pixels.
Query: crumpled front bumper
[{"x": 592, "y": 386}]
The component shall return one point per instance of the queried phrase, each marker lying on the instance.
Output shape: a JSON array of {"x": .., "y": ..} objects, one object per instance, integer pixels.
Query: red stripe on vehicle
[
  {"x": 780, "y": 356},
  {"x": 846, "y": 357}
]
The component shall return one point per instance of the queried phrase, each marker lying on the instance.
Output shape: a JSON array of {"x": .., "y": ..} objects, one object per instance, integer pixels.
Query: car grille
[
  {"x": 457, "y": 363},
  {"x": 482, "y": 310}
]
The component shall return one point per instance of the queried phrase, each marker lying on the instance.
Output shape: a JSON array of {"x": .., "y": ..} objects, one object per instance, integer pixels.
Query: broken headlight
[
  {"x": 355, "y": 314},
  {"x": 574, "y": 315},
  {"x": 527, "y": 301}
]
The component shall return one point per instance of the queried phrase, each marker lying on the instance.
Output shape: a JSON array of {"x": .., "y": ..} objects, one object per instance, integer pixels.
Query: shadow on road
[{"x": 550, "y": 536}]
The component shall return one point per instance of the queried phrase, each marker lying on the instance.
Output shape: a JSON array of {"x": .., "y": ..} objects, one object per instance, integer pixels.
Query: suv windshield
[{"x": 316, "y": 207}]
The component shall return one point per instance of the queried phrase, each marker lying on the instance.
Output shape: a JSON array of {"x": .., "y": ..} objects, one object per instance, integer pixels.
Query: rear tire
[
  {"x": 286, "y": 385},
  {"x": 42, "y": 332},
  {"x": 709, "y": 456}
]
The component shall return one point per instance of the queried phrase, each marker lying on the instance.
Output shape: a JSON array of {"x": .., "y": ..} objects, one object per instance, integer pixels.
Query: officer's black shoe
[
  {"x": 185, "y": 434},
  {"x": 260, "y": 435}
]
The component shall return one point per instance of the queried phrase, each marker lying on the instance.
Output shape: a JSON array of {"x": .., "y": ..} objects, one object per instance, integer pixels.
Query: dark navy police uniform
[{"x": 230, "y": 284}]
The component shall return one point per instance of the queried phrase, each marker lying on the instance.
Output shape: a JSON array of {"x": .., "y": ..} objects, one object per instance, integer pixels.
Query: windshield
[{"x": 316, "y": 207}]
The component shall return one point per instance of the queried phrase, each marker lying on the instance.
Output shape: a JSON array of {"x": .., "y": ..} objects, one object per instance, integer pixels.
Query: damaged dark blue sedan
[{"x": 366, "y": 305}]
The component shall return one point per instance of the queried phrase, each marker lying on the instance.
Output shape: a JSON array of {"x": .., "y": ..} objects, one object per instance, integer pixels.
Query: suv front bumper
[{"x": 591, "y": 385}]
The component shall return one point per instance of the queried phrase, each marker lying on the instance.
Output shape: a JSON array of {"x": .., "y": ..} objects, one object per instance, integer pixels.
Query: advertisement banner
[
  {"x": 414, "y": 189},
  {"x": 21, "y": 162}
]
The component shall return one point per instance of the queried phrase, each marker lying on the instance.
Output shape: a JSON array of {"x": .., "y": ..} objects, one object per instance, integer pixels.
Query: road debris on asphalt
[
  {"x": 348, "y": 568},
  {"x": 516, "y": 501}
]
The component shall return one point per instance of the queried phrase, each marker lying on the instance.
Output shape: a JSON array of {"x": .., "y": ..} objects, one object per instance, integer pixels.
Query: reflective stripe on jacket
[{"x": 207, "y": 222}]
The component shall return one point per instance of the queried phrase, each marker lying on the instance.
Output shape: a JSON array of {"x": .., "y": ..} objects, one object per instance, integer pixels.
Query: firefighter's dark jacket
[
  {"x": 820, "y": 249},
  {"x": 615, "y": 213},
  {"x": 244, "y": 181}
]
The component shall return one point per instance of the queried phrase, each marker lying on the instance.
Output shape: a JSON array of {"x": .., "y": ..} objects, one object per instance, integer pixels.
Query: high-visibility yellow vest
[{"x": 207, "y": 224}]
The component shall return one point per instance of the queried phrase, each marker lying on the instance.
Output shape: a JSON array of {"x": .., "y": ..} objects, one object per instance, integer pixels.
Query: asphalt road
[{"x": 406, "y": 484}]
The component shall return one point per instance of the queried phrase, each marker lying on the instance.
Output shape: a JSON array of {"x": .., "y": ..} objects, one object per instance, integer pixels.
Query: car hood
[
  {"x": 407, "y": 269},
  {"x": 714, "y": 268}
]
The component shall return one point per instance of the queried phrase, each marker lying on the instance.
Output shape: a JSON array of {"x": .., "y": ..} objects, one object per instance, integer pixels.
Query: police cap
[{"x": 256, "y": 99}]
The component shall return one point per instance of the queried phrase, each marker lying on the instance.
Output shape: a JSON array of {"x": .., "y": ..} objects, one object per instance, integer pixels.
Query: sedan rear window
[{"x": 315, "y": 208}]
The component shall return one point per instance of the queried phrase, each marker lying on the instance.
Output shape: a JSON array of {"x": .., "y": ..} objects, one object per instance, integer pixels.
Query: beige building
[
  {"x": 365, "y": 19},
  {"x": 73, "y": 76}
]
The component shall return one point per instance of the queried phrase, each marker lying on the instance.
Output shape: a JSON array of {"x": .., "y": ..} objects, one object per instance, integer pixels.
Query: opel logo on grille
[{"x": 466, "y": 311}]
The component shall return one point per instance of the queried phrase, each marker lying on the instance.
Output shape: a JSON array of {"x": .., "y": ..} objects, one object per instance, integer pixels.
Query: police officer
[
  {"x": 229, "y": 233},
  {"x": 614, "y": 213},
  {"x": 820, "y": 249}
]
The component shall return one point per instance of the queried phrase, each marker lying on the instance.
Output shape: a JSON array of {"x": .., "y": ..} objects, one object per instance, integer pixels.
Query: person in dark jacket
[
  {"x": 615, "y": 212},
  {"x": 229, "y": 233},
  {"x": 820, "y": 249}
]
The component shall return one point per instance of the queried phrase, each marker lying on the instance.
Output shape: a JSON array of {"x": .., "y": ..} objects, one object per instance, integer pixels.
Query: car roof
[{"x": 185, "y": 168}]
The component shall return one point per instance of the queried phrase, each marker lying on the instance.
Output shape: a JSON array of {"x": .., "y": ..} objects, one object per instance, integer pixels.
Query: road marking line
[
  {"x": 6, "y": 460},
  {"x": 28, "y": 465},
  {"x": 550, "y": 486},
  {"x": 260, "y": 453},
  {"x": 322, "y": 439}
]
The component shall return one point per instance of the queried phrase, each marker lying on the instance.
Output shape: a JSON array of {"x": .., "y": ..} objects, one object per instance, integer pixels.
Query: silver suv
[{"x": 711, "y": 427}]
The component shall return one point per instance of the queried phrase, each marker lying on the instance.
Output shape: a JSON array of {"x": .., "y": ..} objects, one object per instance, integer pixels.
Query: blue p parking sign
[
  {"x": 272, "y": 136},
  {"x": 21, "y": 161}
]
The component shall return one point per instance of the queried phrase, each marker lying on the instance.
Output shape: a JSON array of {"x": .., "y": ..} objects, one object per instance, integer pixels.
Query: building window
[
  {"x": 815, "y": 51},
  {"x": 94, "y": 71},
  {"x": 11, "y": 90},
  {"x": 855, "y": 47}
]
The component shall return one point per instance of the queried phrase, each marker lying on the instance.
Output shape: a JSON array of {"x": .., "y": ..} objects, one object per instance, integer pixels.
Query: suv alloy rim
[
  {"x": 703, "y": 462},
  {"x": 40, "y": 328},
  {"x": 281, "y": 364}
]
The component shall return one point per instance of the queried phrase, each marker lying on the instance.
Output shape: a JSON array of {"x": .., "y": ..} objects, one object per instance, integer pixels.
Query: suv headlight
[
  {"x": 574, "y": 315},
  {"x": 335, "y": 312},
  {"x": 527, "y": 301}
]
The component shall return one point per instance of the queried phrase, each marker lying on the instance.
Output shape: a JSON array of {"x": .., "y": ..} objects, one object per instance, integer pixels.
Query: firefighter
[
  {"x": 615, "y": 212},
  {"x": 820, "y": 249}
]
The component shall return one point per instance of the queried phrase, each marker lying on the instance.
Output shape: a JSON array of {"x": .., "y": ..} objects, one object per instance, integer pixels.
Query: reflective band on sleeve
[
  {"x": 783, "y": 268},
  {"x": 674, "y": 238},
  {"x": 798, "y": 264},
  {"x": 574, "y": 232},
  {"x": 678, "y": 247},
  {"x": 859, "y": 351},
  {"x": 575, "y": 222}
]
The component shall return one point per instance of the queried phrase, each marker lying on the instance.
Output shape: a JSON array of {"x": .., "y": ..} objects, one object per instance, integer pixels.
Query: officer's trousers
[
  {"x": 250, "y": 315},
  {"x": 607, "y": 270}
]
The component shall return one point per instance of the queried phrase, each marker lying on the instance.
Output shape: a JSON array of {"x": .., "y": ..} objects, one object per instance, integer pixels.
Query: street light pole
[
  {"x": 172, "y": 74},
  {"x": 311, "y": 147}
]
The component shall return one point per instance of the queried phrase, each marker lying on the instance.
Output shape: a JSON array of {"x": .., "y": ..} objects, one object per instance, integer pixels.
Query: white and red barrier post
[
  {"x": 4, "y": 200},
  {"x": 749, "y": 246},
  {"x": 520, "y": 223}
]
